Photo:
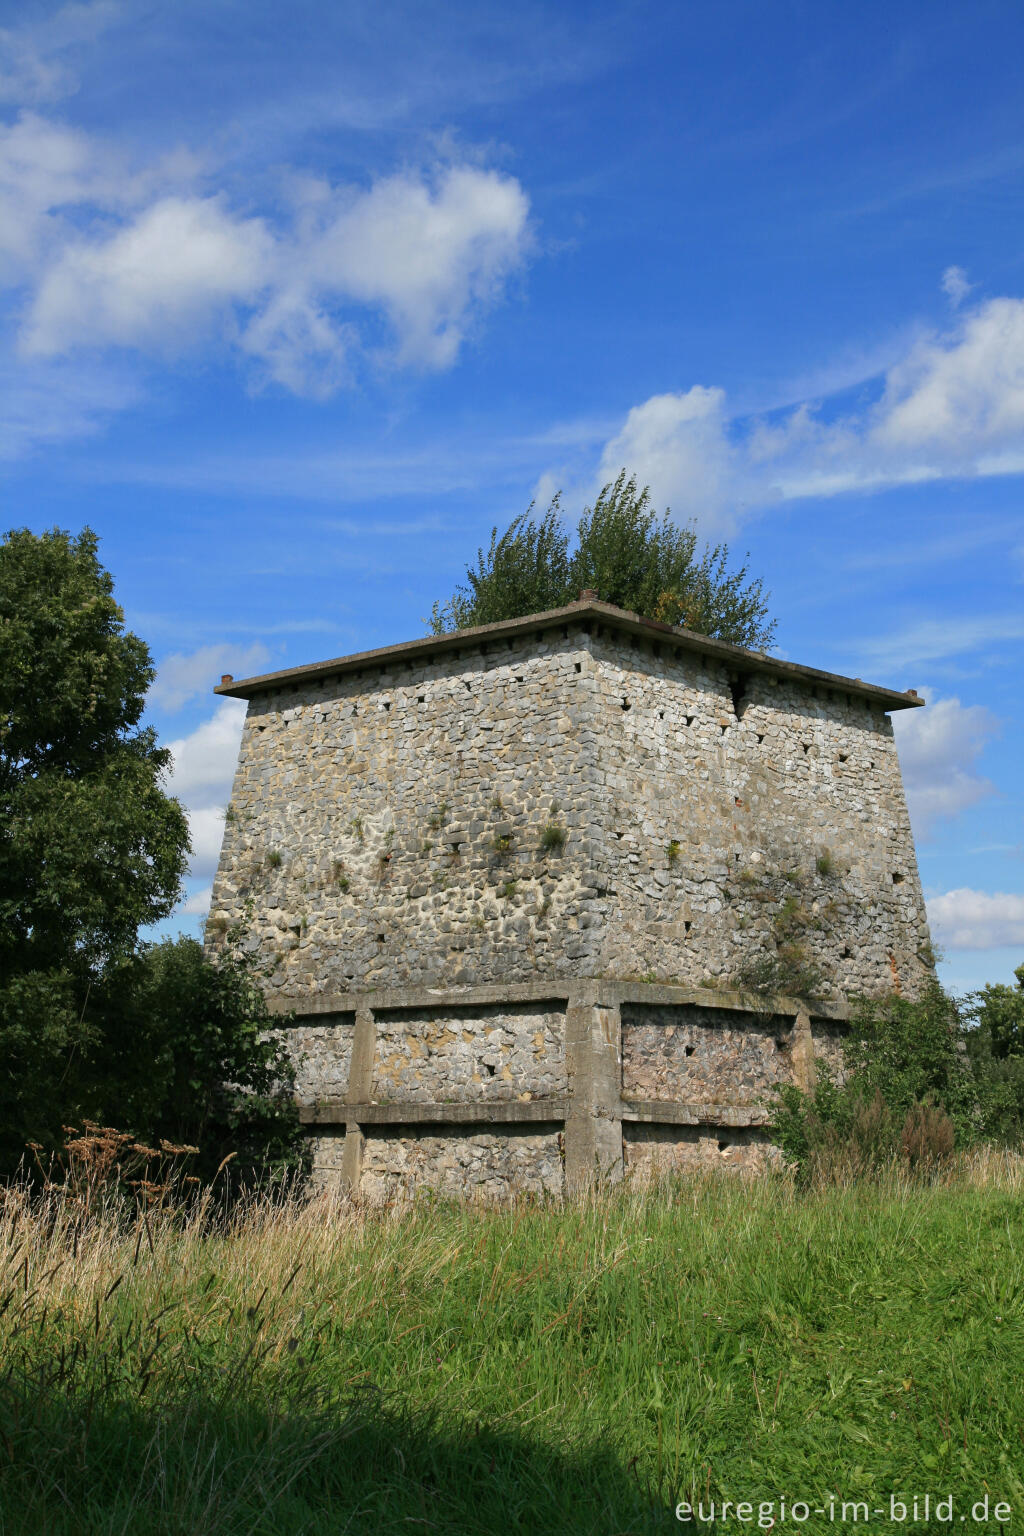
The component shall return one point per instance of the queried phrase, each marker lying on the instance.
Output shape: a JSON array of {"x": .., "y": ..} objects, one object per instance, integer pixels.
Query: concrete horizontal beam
[
  {"x": 495, "y": 1112},
  {"x": 526, "y": 1112},
  {"x": 605, "y": 991},
  {"x": 662, "y": 1112}
]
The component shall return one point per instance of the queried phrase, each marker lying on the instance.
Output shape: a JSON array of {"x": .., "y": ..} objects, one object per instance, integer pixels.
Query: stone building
[{"x": 555, "y": 895}]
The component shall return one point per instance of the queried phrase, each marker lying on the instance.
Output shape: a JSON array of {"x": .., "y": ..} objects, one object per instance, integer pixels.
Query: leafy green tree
[
  {"x": 903, "y": 1060},
  {"x": 995, "y": 1044},
  {"x": 190, "y": 1053},
  {"x": 91, "y": 845},
  {"x": 626, "y": 553}
]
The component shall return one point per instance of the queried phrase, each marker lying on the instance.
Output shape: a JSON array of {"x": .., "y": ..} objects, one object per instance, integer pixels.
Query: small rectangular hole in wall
[
  {"x": 380, "y": 938},
  {"x": 661, "y": 714},
  {"x": 687, "y": 927},
  {"x": 843, "y": 756},
  {"x": 723, "y": 729},
  {"x": 897, "y": 878},
  {"x": 387, "y": 704},
  {"x": 626, "y": 704},
  {"x": 690, "y": 719},
  {"x": 421, "y": 698},
  {"x": 466, "y": 685},
  {"x": 759, "y": 740},
  {"x": 690, "y": 1049},
  {"x": 519, "y": 678},
  {"x": 579, "y": 666}
]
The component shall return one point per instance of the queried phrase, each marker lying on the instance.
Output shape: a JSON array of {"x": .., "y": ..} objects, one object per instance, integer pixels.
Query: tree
[
  {"x": 906, "y": 1090},
  {"x": 190, "y": 1053},
  {"x": 91, "y": 845},
  {"x": 996, "y": 1048},
  {"x": 623, "y": 551}
]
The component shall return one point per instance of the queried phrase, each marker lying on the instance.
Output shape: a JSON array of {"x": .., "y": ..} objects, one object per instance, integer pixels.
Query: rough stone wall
[
  {"x": 707, "y": 1056},
  {"x": 461, "y": 1055},
  {"x": 322, "y": 1055},
  {"x": 427, "y": 825},
  {"x": 744, "y": 816},
  {"x": 571, "y": 804},
  {"x": 664, "y": 1149},
  {"x": 490, "y": 1163}
]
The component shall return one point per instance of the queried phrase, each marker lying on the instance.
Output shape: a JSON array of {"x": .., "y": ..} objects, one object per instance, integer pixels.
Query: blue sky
[{"x": 297, "y": 302}]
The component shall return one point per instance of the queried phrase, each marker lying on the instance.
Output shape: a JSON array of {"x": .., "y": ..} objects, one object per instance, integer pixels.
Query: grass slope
[{"x": 547, "y": 1368}]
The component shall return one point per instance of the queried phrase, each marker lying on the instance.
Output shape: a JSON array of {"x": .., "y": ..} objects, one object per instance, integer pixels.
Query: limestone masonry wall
[{"x": 550, "y": 865}]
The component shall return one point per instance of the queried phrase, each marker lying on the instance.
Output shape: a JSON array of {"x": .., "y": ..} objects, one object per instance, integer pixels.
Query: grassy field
[{"x": 324, "y": 1369}]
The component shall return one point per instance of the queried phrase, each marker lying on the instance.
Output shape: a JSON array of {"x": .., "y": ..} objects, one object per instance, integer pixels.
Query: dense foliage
[
  {"x": 995, "y": 1046},
  {"x": 92, "y": 849},
  {"x": 623, "y": 551},
  {"x": 918, "y": 1078},
  {"x": 188, "y": 1055}
]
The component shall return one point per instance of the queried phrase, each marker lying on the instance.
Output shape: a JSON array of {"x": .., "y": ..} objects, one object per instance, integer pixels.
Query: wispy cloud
[
  {"x": 968, "y": 919},
  {"x": 38, "y": 55},
  {"x": 201, "y": 776},
  {"x": 157, "y": 260},
  {"x": 932, "y": 640},
  {"x": 951, "y": 406},
  {"x": 939, "y": 748},
  {"x": 186, "y": 676}
]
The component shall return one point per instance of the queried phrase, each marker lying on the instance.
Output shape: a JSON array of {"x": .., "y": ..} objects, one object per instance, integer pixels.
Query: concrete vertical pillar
[
  {"x": 360, "y": 1087},
  {"x": 352, "y": 1158},
  {"x": 593, "y": 1127},
  {"x": 805, "y": 1074}
]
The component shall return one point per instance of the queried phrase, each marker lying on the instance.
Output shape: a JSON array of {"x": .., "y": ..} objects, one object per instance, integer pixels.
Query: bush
[
  {"x": 189, "y": 1053},
  {"x": 995, "y": 1047},
  {"x": 906, "y": 1093}
]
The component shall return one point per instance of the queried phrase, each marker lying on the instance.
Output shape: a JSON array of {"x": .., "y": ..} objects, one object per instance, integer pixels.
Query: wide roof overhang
[{"x": 735, "y": 658}]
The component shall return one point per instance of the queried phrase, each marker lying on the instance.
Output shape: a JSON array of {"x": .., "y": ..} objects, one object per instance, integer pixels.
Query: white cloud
[
  {"x": 206, "y": 827},
  {"x": 955, "y": 285},
  {"x": 425, "y": 253},
  {"x": 938, "y": 748},
  {"x": 103, "y": 254},
  {"x": 185, "y": 676},
  {"x": 198, "y": 903},
  {"x": 201, "y": 776},
  {"x": 678, "y": 445},
  {"x": 35, "y": 65},
  {"x": 966, "y": 919},
  {"x": 155, "y": 283},
  {"x": 204, "y": 761},
  {"x": 951, "y": 406}
]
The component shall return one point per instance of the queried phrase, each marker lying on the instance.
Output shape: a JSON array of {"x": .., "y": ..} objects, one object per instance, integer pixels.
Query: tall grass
[{"x": 319, "y": 1367}]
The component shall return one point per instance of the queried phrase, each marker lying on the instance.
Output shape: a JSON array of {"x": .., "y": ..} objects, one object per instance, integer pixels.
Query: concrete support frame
[
  {"x": 593, "y": 1127},
  {"x": 360, "y": 1088},
  {"x": 594, "y": 1111}
]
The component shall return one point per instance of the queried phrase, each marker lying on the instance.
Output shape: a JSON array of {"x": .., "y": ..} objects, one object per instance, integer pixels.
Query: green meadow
[{"x": 317, "y": 1367}]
